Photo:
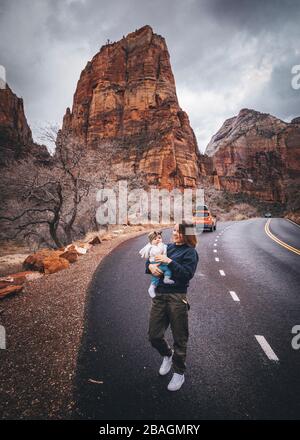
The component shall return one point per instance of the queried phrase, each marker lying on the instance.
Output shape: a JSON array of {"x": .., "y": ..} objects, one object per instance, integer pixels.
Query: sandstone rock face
[
  {"x": 50, "y": 261},
  {"x": 96, "y": 240},
  {"x": 53, "y": 264},
  {"x": 14, "y": 282},
  {"x": 257, "y": 154},
  {"x": 15, "y": 135},
  {"x": 126, "y": 95},
  {"x": 36, "y": 261},
  {"x": 5, "y": 291},
  {"x": 71, "y": 255},
  {"x": 18, "y": 278}
]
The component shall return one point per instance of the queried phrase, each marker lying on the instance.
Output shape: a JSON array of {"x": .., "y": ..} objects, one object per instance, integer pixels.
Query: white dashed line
[
  {"x": 234, "y": 295},
  {"x": 217, "y": 259},
  {"x": 266, "y": 348},
  {"x": 222, "y": 273},
  {"x": 215, "y": 244},
  {"x": 215, "y": 250}
]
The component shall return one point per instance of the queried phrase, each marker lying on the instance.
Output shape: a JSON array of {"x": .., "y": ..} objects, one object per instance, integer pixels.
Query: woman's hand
[
  {"x": 155, "y": 270},
  {"x": 162, "y": 259}
]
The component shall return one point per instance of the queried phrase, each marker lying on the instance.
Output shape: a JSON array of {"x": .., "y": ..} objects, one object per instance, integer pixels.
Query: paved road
[{"x": 229, "y": 374}]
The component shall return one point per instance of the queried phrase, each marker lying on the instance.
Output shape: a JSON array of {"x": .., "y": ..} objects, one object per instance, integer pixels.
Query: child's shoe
[
  {"x": 151, "y": 290},
  {"x": 167, "y": 280}
]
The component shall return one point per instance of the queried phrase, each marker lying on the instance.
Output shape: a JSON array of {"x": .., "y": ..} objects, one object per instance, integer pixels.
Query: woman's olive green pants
[{"x": 170, "y": 309}]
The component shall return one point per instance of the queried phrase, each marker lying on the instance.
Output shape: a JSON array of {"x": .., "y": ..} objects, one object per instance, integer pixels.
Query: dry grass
[
  {"x": 241, "y": 211},
  {"x": 238, "y": 206},
  {"x": 9, "y": 247},
  {"x": 12, "y": 263}
]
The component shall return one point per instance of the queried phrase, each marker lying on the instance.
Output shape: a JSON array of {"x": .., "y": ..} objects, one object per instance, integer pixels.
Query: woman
[{"x": 170, "y": 305}]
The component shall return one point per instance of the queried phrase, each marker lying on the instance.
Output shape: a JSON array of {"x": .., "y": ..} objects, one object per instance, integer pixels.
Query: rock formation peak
[
  {"x": 15, "y": 134},
  {"x": 256, "y": 153},
  {"x": 239, "y": 126},
  {"x": 126, "y": 95}
]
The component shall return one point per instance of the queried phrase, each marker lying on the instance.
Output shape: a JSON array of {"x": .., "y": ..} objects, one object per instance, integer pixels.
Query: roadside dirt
[{"x": 44, "y": 326}]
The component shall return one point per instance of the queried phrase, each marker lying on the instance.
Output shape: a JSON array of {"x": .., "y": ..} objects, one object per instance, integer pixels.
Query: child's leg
[
  {"x": 163, "y": 267},
  {"x": 167, "y": 273},
  {"x": 154, "y": 280},
  {"x": 154, "y": 283}
]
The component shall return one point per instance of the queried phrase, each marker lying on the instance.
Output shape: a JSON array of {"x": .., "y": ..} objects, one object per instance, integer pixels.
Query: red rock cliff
[
  {"x": 127, "y": 94},
  {"x": 257, "y": 154},
  {"x": 15, "y": 135}
]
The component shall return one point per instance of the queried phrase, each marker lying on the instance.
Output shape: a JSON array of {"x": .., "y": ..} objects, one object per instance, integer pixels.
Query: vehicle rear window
[
  {"x": 202, "y": 208},
  {"x": 202, "y": 214}
]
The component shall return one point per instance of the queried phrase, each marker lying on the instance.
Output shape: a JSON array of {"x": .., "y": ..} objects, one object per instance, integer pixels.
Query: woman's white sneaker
[
  {"x": 176, "y": 382},
  {"x": 166, "y": 364}
]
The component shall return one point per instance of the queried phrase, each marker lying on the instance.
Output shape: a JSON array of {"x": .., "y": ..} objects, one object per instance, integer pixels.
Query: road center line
[
  {"x": 215, "y": 244},
  {"x": 234, "y": 295},
  {"x": 215, "y": 250},
  {"x": 266, "y": 348},
  {"x": 277, "y": 240},
  {"x": 222, "y": 273},
  {"x": 217, "y": 259}
]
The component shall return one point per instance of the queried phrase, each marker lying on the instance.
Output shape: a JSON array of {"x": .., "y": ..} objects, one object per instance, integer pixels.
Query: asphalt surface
[{"x": 229, "y": 375}]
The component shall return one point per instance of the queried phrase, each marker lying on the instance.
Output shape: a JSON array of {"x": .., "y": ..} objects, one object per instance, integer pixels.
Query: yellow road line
[{"x": 282, "y": 243}]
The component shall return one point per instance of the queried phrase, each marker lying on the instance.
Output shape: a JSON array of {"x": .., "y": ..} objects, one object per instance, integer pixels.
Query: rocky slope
[
  {"x": 257, "y": 154},
  {"x": 126, "y": 96}
]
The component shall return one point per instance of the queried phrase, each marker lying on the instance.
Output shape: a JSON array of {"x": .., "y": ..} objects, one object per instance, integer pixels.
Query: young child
[{"x": 153, "y": 248}]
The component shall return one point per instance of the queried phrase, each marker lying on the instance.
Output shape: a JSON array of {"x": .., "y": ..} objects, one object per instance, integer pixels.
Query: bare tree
[
  {"x": 29, "y": 203},
  {"x": 50, "y": 198},
  {"x": 58, "y": 201}
]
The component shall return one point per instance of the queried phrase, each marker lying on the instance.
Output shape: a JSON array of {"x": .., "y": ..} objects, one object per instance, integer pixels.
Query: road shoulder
[{"x": 44, "y": 328}]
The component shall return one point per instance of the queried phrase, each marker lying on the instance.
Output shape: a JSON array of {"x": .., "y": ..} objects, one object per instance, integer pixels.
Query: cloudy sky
[{"x": 225, "y": 54}]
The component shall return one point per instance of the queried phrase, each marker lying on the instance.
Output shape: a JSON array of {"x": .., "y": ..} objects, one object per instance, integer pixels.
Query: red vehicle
[{"x": 204, "y": 220}]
